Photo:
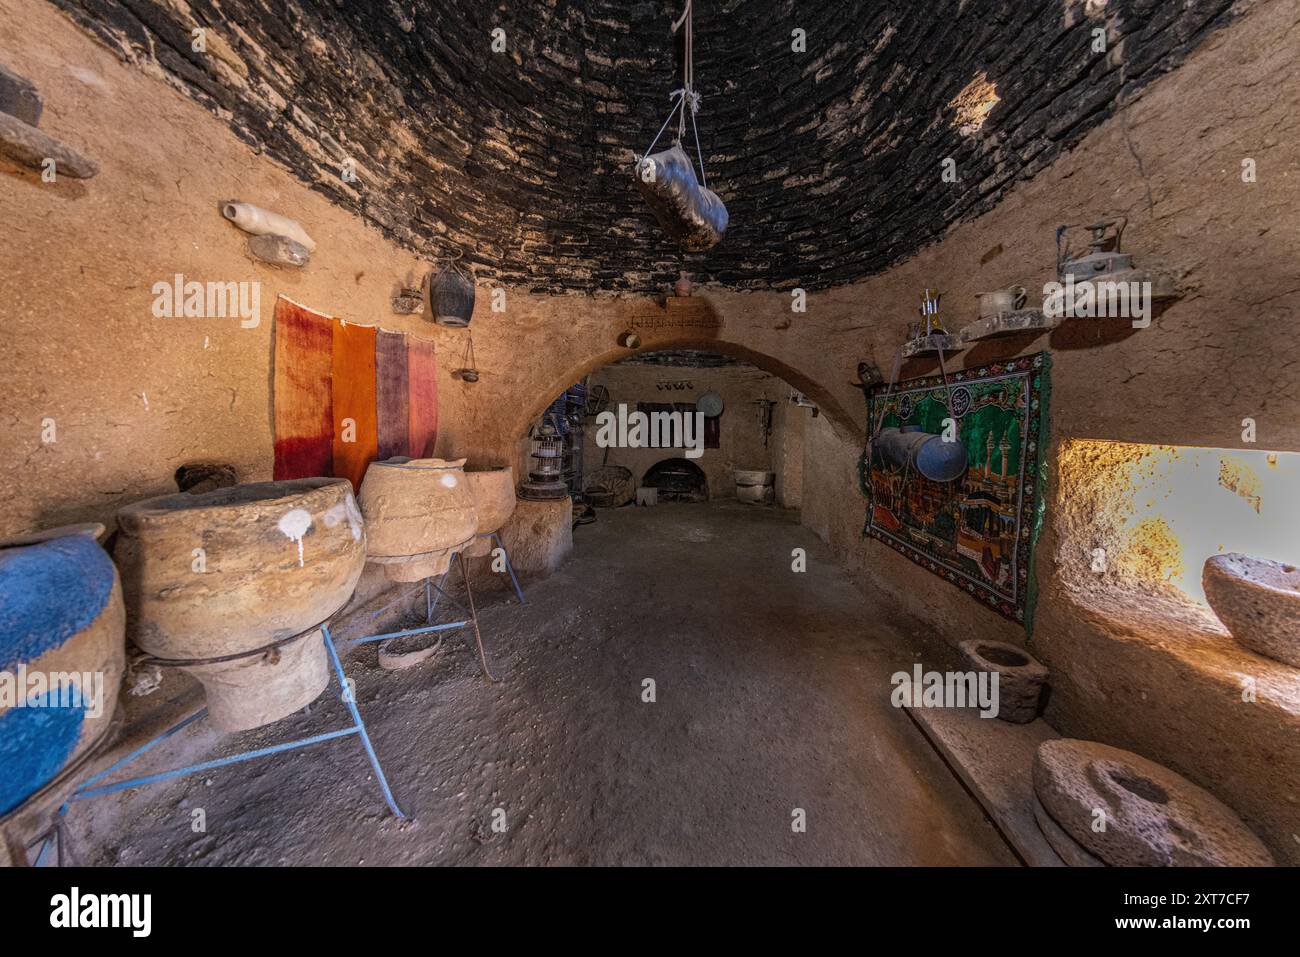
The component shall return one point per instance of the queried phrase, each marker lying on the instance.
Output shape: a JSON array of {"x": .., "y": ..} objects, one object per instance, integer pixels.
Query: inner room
[{"x": 675, "y": 433}]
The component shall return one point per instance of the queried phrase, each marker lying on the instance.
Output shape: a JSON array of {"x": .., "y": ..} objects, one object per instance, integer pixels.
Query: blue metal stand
[
  {"x": 92, "y": 788},
  {"x": 431, "y": 604},
  {"x": 510, "y": 568}
]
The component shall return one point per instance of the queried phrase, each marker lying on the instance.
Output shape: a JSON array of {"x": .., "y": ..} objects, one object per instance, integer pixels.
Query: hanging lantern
[{"x": 451, "y": 296}]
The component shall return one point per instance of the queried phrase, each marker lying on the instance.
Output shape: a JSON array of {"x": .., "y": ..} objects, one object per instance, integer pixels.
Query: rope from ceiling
[{"x": 686, "y": 96}]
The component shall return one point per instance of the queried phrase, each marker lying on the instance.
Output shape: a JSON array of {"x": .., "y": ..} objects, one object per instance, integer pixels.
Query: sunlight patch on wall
[
  {"x": 1148, "y": 516},
  {"x": 974, "y": 103}
]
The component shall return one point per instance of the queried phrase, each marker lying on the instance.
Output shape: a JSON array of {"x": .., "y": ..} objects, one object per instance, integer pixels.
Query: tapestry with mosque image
[{"x": 972, "y": 519}]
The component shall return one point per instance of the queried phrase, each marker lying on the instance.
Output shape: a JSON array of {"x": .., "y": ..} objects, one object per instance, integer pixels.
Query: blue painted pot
[{"x": 62, "y": 655}]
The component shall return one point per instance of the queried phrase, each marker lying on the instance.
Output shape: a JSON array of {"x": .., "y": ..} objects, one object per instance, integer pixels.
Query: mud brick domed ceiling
[{"x": 828, "y": 160}]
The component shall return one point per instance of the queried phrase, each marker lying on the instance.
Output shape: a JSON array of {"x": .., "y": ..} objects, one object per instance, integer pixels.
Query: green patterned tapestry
[{"x": 978, "y": 530}]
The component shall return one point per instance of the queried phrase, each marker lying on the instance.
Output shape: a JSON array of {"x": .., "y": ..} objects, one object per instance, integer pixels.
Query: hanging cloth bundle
[{"x": 686, "y": 208}]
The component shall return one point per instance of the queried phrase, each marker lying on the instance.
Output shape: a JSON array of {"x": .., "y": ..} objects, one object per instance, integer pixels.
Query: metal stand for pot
[
  {"x": 431, "y": 604},
  {"x": 92, "y": 788}
]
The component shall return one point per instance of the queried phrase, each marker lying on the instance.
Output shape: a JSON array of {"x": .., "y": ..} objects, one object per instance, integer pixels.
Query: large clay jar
[
  {"x": 62, "y": 654},
  {"x": 209, "y": 578},
  {"x": 1258, "y": 601},
  {"x": 494, "y": 502},
  {"x": 418, "y": 512}
]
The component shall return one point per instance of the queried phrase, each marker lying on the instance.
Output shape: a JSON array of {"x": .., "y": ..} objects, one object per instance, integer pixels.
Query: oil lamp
[{"x": 546, "y": 476}]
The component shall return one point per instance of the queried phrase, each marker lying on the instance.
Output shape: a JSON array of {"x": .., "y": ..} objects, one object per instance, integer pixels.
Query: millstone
[
  {"x": 1071, "y": 851},
  {"x": 1152, "y": 816}
]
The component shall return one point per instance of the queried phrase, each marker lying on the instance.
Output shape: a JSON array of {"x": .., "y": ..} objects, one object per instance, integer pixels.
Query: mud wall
[{"x": 85, "y": 350}]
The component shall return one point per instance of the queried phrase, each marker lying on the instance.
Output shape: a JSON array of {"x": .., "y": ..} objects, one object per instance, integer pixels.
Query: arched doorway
[
  {"x": 693, "y": 424},
  {"x": 838, "y": 416}
]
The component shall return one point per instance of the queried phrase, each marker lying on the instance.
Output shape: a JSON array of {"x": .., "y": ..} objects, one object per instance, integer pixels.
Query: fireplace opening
[{"x": 678, "y": 480}]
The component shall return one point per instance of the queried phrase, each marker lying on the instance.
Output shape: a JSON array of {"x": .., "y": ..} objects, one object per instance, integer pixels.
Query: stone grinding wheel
[
  {"x": 1153, "y": 817},
  {"x": 1067, "y": 848},
  {"x": 690, "y": 213}
]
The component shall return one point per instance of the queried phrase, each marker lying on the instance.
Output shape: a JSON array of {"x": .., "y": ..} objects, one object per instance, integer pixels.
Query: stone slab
[
  {"x": 1008, "y": 323},
  {"x": 995, "y": 761},
  {"x": 19, "y": 97},
  {"x": 930, "y": 346}
]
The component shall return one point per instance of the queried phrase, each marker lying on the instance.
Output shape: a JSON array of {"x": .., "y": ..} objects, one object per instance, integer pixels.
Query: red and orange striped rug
[{"x": 346, "y": 395}]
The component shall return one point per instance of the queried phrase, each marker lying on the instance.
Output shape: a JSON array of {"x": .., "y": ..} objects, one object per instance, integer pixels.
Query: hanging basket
[{"x": 451, "y": 297}]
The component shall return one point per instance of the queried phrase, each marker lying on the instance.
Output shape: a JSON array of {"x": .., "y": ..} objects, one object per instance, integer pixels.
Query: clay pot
[
  {"x": 493, "y": 490},
  {"x": 418, "y": 512},
  {"x": 1020, "y": 677},
  {"x": 1153, "y": 817},
  {"x": 1258, "y": 601},
  {"x": 234, "y": 570},
  {"x": 1002, "y": 300},
  {"x": 261, "y": 689},
  {"x": 61, "y": 612}
]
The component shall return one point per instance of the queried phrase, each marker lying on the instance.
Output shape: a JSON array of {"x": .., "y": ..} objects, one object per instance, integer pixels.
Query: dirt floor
[{"x": 772, "y": 693}]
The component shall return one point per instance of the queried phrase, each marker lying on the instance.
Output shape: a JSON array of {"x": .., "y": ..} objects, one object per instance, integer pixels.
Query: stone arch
[{"x": 830, "y": 406}]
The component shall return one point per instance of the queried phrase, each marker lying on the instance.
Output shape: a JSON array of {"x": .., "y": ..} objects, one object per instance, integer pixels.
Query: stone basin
[
  {"x": 1258, "y": 601},
  {"x": 418, "y": 513},
  {"x": 212, "y": 581}
]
